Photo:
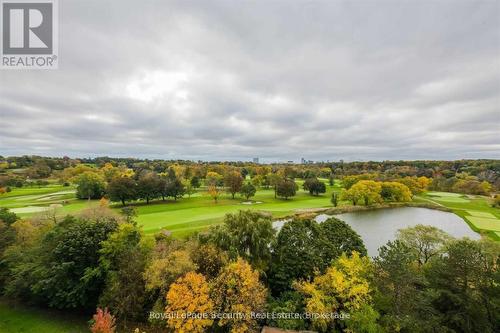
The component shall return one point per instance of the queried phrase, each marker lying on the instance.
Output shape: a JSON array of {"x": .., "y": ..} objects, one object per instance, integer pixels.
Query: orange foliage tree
[
  {"x": 104, "y": 322},
  {"x": 189, "y": 294}
]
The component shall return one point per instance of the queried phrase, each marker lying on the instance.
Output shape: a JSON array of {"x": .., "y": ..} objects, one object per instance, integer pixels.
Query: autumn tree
[
  {"x": 214, "y": 178},
  {"x": 304, "y": 246},
  {"x": 238, "y": 290},
  {"x": 209, "y": 259},
  {"x": 189, "y": 294},
  {"x": 394, "y": 191},
  {"x": 168, "y": 264},
  {"x": 103, "y": 322},
  {"x": 233, "y": 182},
  {"x": 214, "y": 192},
  {"x": 344, "y": 287},
  {"x": 366, "y": 190}
]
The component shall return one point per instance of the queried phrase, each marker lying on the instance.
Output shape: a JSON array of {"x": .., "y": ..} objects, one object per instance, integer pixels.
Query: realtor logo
[{"x": 29, "y": 34}]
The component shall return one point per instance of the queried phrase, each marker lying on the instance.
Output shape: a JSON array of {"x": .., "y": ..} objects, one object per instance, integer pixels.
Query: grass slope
[
  {"x": 474, "y": 209},
  {"x": 22, "y": 319}
]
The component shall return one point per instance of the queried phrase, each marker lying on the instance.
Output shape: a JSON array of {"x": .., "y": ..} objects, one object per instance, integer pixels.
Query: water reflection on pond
[{"x": 376, "y": 227}]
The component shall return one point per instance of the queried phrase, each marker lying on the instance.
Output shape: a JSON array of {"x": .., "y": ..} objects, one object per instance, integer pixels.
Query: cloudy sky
[{"x": 279, "y": 80}]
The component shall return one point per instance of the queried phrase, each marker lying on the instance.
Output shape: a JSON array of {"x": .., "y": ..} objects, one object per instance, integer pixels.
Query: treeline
[
  {"x": 424, "y": 281},
  {"x": 124, "y": 185},
  {"x": 448, "y": 175}
]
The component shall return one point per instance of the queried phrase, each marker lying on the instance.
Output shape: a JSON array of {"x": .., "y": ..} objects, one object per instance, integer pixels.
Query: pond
[{"x": 376, "y": 227}]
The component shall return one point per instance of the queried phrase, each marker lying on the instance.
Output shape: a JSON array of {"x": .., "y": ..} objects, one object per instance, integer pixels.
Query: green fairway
[
  {"x": 181, "y": 217},
  {"x": 190, "y": 214},
  {"x": 480, "y": 214},
  {"x": 37, "y": 197},
  {"x": 485, "y": 223},
  {"x": 475, "y": 210},
  {"x": 21, "y": 319}
]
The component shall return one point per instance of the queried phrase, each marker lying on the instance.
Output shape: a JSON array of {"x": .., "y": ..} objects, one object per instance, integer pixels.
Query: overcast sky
[{"x": 279, "y": 80}]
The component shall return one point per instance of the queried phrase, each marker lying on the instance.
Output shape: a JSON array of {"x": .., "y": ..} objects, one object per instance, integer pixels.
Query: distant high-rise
[{"x": 256, "y": 160}]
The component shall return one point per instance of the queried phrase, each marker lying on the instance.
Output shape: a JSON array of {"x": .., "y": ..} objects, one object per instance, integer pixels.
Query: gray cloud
[{"x": 279, "y": 80}]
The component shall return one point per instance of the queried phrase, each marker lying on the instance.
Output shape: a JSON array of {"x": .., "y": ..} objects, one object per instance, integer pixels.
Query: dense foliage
[{"x": 424, "y": 281}]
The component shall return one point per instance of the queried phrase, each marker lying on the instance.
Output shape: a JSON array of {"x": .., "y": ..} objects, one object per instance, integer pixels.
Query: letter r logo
[{"x": 27, "y": 28}]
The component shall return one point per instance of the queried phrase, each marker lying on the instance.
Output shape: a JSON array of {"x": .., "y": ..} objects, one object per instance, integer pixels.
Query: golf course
[{"x": 193, "y": 213}]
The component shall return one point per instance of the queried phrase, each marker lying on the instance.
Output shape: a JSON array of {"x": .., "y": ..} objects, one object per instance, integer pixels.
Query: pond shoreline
[{"x": 313, "y": 212}]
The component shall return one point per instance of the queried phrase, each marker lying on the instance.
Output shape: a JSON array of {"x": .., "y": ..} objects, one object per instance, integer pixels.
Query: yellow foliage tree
[
  {"x": 395, "y": 191},
  {"x": 238, "y": 290},
  {"x": 366, "y": 190},
  {"x": 424, "y": 182},
  {"x": 189, "y": 294},
  {"x": 214, "y": 192},
  {"x": 343, "y": 288}
]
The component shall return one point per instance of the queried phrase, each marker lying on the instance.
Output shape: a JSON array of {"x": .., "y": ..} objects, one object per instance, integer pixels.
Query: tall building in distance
[{"x": 256, "y": 160}]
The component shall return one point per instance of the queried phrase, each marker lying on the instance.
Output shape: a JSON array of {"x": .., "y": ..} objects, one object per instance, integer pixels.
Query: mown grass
[
  {"x": 472, "y": 208},
  {"x": 15, "y": 318},
  {"x": 181, "y": 217},
  {"x": 187, "y": 215}
]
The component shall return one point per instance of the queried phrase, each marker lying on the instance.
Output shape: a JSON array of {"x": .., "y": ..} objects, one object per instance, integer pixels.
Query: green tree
[
  {"x": 339, "y": 237},
  {"x": 296, "y": 253},
  {"x": 122, "y": 189},
  {"x": 286, "y": 188},
  {"x": 273, "y": 180},
  {"x": 52, "y": 267},
  {"x": 195, "y": 182},
  {"x": 304, "y": 246},
  {"x": 247, "y": 234},
  {"x": 7, "y": 216},
  {"x": 148, "y": 186},
  {"x": 122, "y": 260},
  {"x": 465, "y": 280},
  {"x": 314, "y": 186},
  {"x": 233, "y": 182},
  {"x": 401, "y": 295},
  {"x": 174, "y": 188},
  {"x": 248, "y": 190},
  {"x": 425, "y": 241},
  {"x": 335, "y": 199},
  {"x": 90, "y": 185}
]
